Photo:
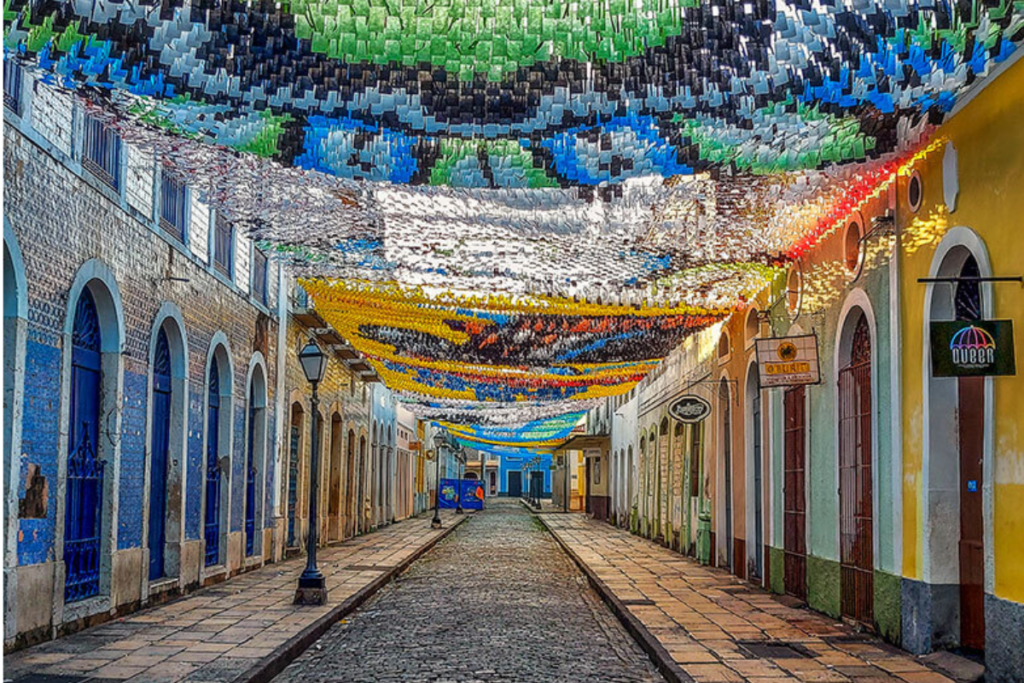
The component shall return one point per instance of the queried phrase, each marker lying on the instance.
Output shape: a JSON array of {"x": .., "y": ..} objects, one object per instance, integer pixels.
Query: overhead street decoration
[
  {"x": 514, "y": 209},
  {"x": 787, "y": 361}
]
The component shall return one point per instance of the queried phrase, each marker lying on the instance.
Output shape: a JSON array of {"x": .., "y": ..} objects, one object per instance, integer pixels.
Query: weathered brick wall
[{"x": 61, "y": 220}]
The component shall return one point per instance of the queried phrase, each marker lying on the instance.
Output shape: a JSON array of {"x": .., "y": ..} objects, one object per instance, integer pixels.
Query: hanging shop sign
[
  {"x": 972, "y": 348},
  {"x": 690, "y": 409},
  {"x": 788, "y": 361}
]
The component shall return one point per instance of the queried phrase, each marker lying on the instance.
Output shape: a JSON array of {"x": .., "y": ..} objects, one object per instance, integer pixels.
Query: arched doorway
[
  {"x": 91, "y": 398},
  {"x": 294, "y": 454},
  {"x": 389, "y": 480},
  {"x": 677, "y": 486},
  {"x": 755, "y": 495},
  {"x": 661, "y": 480},
  {"x": 856, "y": 551},
  {"x": 970, "y": 441},
  {"x": 958, "y": 489},
  {"x": 794, "y": 491},
  {"x": 642, "y": 491},
  {"x": 334, "y": 528},
  {"x": 256, "y": 438},
  {"x": 351, "y": 506},
  {"x": 83, "y": 511},
  {"x": 361, "y": 499},
  {"x": 631, "y": 484},
  {"x": 725, "y": 400},
  {"x": 15, "y": 327},
  {"x": 159, "y": 449},
  {"x": 218, "y": 456},
  {"x": 167, "y": 443},
  {"x": 374, "y": 482}
]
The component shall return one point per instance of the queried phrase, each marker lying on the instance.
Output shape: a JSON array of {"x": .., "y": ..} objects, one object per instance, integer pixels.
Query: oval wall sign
[{"x": 689, "y": 408}]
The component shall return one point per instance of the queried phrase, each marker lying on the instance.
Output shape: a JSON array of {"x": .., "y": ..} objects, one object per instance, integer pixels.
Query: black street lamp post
[
  {"x": 435, "y": 523},
  {"x": 312, "y": 588}
]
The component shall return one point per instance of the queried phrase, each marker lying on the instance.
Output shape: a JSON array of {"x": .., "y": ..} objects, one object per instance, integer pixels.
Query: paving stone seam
[
  {"x": 283, "y": 655},
  {"x": 664, "y": 662}
]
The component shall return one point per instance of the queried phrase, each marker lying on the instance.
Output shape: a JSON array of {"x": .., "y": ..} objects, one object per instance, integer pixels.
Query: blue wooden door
[
  {"x": 159, "y": 444},
  {"x": 211, "y": 530},
  {"x": 293, "y": 481},
  {"x": 84, "y": 493},
  {"x": 250, "y": 479}
]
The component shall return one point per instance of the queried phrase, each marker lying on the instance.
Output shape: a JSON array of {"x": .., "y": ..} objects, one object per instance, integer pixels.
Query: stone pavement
[
  {"x": 245, "y": 628},
  {"x": 707, "y": 621},
  {"x": 497, "y": 600}
]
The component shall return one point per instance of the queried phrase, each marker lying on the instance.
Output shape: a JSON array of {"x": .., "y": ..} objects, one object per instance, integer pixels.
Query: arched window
[
  {"x": 160, "y": 442},
  {"x": 752, "y": 327},
  {"x": 723, "y": 346},
  {"x": 84, "y": 491},
  {"x": 852, "y": 247},
  {"x": 967, "y": 300}
]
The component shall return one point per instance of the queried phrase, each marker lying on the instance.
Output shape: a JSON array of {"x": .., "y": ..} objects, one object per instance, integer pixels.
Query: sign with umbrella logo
[
  {"x": 690, "y": 409},
  {"x": 787, "y": 361},
  {"x": 972, "y": 348}
]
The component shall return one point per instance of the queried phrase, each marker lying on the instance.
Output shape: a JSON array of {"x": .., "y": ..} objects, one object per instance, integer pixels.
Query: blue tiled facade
[
  {"x": 40, "y": 433},
  {"x": 133, "y": 462},
  {"x": 72, "y": 233},
  {"x": 195, "y": 468}
]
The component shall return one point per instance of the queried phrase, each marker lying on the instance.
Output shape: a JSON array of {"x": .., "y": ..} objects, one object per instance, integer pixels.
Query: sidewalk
[
  {"x": 244, "y": 629},
  {"x": 546, "y": 507},
  {"x": 704, "y": 624}
]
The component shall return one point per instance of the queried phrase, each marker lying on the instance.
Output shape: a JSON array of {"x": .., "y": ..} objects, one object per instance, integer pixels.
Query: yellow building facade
[{"x": 959, "y": 219}]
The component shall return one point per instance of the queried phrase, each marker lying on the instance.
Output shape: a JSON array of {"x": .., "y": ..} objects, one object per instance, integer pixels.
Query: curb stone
[
  {"x": 283, "y": 655},
  {"x": 651, "y": 645}
]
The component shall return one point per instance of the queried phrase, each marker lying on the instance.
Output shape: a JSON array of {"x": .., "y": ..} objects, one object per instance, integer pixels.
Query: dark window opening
[
  {"x": 173, "y": 206},
  {"x": 224, "y": 246},
  {"x": 12, "y": 85},
  {"x": 259, "y": 276},
  {"x": 101, "y": 152}
]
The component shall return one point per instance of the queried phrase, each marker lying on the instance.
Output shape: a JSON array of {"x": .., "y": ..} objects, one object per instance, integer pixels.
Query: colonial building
[
  {"x": 887, "y": 493},
  {"x": 158, "y": 426},
  {"x": 345, "y": 436},
  {"x": 141, "y": 376}
]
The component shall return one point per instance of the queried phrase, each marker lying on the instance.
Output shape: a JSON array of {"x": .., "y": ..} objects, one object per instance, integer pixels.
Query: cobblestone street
[{"x": 497, "y": 600}]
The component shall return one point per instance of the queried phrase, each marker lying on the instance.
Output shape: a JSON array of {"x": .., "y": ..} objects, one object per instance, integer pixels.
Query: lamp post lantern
[
  {"x": 439, "y": 440},
  {"x": 312, "y": 589}
]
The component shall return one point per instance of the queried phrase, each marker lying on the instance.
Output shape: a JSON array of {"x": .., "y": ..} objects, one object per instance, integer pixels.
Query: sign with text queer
[{"x": 972, "y": 348}]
